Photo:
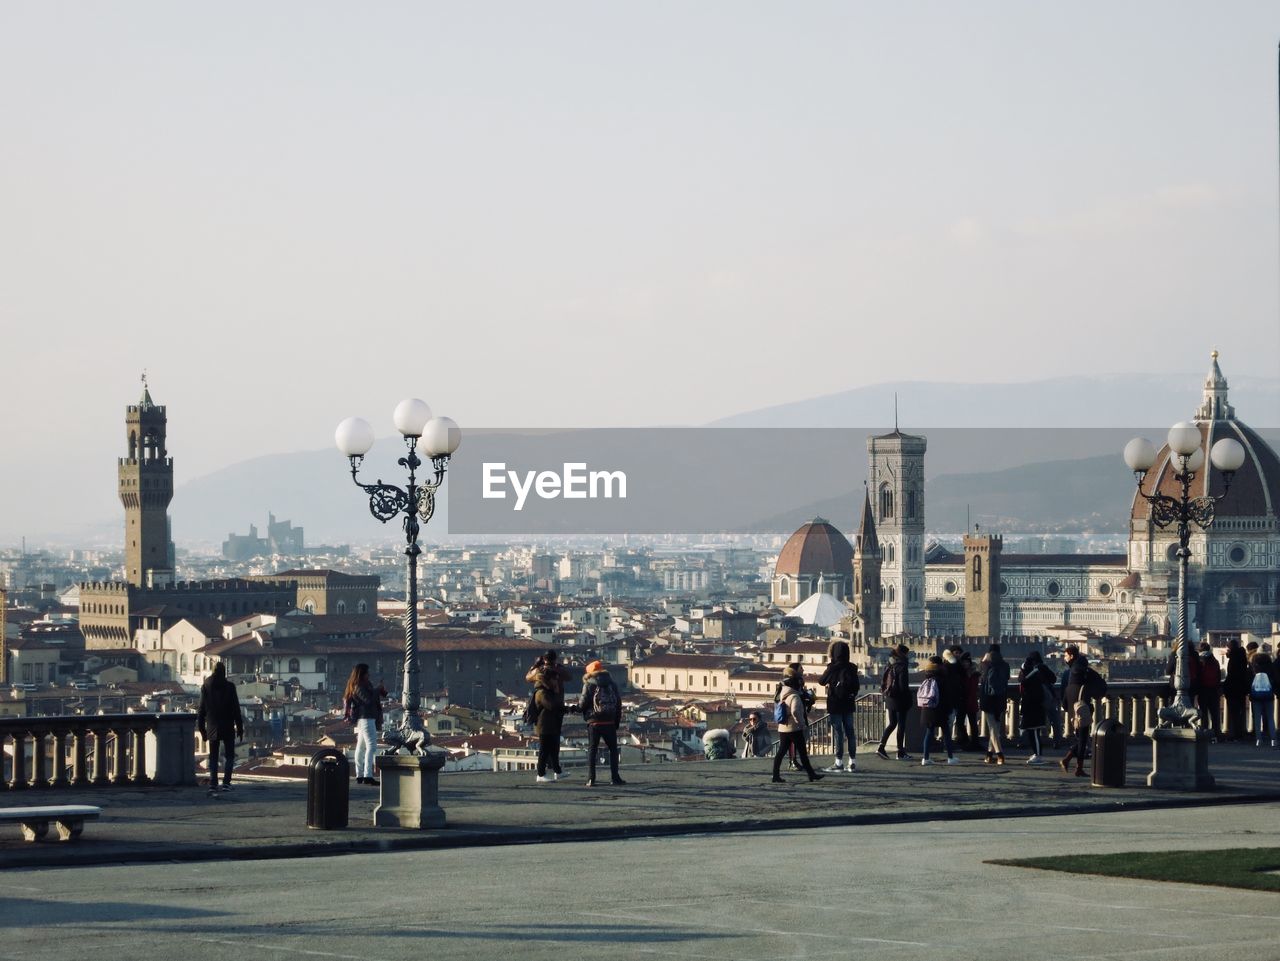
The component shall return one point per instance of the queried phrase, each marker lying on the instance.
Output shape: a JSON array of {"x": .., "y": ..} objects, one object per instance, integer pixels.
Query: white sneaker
[
  {"x": 553, "y": 776},
  {"x": 1035, "y": 759},
  {"x": 925, "y": 760},
  {"x": 543, "y": 780},
  {"x": 953, "y": 760},
  {"x": 853, "y": 766},
  {"x": 835, "y": 768}
]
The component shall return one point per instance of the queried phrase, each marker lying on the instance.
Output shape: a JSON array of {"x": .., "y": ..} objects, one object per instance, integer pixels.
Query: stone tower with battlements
[
  {"x": 982, "y": 585},
  {"x": 146, "y": 488},
  {"x": 896, "y": 488}
]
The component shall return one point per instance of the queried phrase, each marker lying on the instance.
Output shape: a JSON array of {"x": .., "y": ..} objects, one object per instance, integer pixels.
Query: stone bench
[{"x": 69, "y": 819}]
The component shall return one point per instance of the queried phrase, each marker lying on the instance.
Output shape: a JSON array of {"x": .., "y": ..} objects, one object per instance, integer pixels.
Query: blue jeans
[
  {"x": 842, "y": 729},
  {"x": 1263, "y": 709},
  {"x": 946, "y": 738}
]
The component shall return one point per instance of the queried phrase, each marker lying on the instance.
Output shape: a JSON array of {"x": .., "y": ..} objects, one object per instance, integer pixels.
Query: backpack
[
  {"x": 1095, "y": 685},
  {"x": 1261, "y": 687},
  {"x": 995, "y": 684},
  {"x": 604, "y": 703},
  {"x": 927, "y": 696},
  {"x": 845, "y": 685},
  {"x": 531, "y": 710},
  {"x": 780, "y": 713}
]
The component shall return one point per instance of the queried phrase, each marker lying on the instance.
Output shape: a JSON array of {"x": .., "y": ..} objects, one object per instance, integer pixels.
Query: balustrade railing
[{"x": 96, "y": 751}]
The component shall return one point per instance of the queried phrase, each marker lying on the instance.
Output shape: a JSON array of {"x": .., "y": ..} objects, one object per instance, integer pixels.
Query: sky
[{"x": 622, "y": 214}]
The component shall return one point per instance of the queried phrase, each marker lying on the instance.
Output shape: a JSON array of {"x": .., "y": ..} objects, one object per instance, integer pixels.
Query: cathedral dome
[
  {"x": 816, "y": 548},
  {"x": 1255, "y": 487}
]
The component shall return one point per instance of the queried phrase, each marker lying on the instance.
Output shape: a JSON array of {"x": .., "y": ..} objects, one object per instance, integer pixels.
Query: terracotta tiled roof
[{"x": 816, "y": 548}]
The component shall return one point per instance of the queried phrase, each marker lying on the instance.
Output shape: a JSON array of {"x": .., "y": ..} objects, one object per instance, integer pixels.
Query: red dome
[{"x": 816, "y": 548}]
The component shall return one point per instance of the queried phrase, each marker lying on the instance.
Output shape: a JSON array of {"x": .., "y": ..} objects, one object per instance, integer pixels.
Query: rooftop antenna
[{"x": 895, "y": 411}]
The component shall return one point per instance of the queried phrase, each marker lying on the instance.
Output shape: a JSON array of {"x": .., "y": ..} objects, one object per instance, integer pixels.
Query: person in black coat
[
  {"x": 1236, "y": 690},
  {"x": 841, "y": 681},
  {"x": 895, "y": 685},
  {"x": 993, "y": 698},
  {"x": 1035, "y": 682},
  {"x": 220, "y": 723},
  {"x": 548, "y": 678}
]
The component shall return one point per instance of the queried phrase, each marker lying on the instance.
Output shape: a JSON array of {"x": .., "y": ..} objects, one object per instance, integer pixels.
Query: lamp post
[
  {"x": 1179, "y": 743},
  {"x": 436, "y": 438}
]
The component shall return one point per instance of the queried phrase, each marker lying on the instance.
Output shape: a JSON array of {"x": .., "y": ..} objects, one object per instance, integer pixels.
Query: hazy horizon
[{"x": 567, "y": 214}]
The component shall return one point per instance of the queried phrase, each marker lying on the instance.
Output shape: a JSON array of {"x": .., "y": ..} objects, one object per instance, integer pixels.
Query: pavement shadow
[{"x": 30, "y": 912}]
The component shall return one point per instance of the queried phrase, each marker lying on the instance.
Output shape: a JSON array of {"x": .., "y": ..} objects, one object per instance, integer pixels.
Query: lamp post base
[
  {"x": 1180, "y": 760},
  {"x": 409, "y": 796}
]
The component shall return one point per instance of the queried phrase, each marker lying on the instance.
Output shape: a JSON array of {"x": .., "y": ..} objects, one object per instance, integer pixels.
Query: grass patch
[{"x": 1226, "y": 868}]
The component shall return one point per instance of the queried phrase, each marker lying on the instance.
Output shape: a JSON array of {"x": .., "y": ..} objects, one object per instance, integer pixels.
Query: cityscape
[{"x": 965, "y": 592}]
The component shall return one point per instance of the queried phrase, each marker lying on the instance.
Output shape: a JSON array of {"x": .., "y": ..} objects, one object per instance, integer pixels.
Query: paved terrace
[{"x": 267, "y": 819}]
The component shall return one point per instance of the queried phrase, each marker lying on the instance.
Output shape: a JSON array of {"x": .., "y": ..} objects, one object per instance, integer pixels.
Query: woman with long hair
[{"x": 363, "y": 708}]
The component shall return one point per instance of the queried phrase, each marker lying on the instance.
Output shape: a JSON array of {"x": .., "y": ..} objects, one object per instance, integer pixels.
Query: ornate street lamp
[
  {"x": 435, "y": 438},
  {"x": 1186, "y": 457}
]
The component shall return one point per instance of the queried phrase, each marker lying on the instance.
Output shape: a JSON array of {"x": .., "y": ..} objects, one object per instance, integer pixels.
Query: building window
[
  {"x": 950, "y": 587},
  {"x": 977, "y": 573},
  {"x": 362, "y": 608},
  {"x": 1237, "y": 554},
  {"x": 1104, "y": 589},
  {"x": 886, "y": 502},
  {"x": 320, "y": 665},
  {"x": 1053, "y": 588},
  {"x": 295, "y": 665},
  {"x": 911, "y": 504},
  {"x": 342, "y": 607}
]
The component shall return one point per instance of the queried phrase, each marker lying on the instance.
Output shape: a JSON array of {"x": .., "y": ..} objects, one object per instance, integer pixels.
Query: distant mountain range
[{"x": 1041, "y": 473}]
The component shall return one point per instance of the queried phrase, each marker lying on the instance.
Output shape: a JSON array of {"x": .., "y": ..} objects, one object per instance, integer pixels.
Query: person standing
[
  {"x": 1262, "y": 698},
  {"x": 601, "y": 708},
  {"x": 1035, "y": 683},
  {"x": 1209, "y": 693},
  {"x": 994, "y": 701},
  {"x": 968, "y": 714},
  {"x": 895, "y": 685},
  {"x": 793, "y": 706},
  {"x": 935, "y": 711},
  {"x": 548, "y": 677},
  {"x": 1082, "y": 723},
  {"x": 755, "y": 736},
  {"x": 363, "y": 708},
  {"x": 842, "y": 683},
  {"x": 220, "y": 723},
  {"x": 1236, "y": 690},
  {"x": 952, "y": 681}
]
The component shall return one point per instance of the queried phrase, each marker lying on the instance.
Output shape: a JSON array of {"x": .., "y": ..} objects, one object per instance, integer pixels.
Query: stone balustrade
[{"x": 96, "y": 751}]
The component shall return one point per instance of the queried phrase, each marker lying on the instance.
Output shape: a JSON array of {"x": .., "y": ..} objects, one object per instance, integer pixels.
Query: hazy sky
[{"x": 609, "y": 213}]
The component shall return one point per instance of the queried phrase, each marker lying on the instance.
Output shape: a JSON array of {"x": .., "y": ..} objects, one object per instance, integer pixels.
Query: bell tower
[
  {"x": 896, "y": 463},
  {"x": 982, "y": 585},
  {"x": 146, "y": 488}
]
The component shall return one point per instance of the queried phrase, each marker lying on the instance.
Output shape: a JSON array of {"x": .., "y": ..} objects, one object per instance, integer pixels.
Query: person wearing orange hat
[{"x": 601, "y": 708}]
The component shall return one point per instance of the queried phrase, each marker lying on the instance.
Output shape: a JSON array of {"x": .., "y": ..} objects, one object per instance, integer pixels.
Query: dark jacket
[
  {"x": 1210, "y": 673},
  {"x": 993, "y": 695},
  {"x": 1033, "y": 680},
  {"x": 952, "y": 683},
  {"x": 840, "y": 701},
  {"x": 1073, "y": 680},
  {"x": 600, "y": 679},
  {"x": 972, "y": 687},
  {"x": 1238, "y": 676},
  {"x": 548, "y": 695},
  {"x": 365, "y": 704},
  {"x": 896, "y": 684},
  {"x": 218, "y": 717}
]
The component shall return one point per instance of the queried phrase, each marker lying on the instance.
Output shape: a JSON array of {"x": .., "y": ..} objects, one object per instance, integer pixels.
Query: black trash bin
[
  {"x": 328, "y": 784},
  {"x": 1109, "y": 753}
]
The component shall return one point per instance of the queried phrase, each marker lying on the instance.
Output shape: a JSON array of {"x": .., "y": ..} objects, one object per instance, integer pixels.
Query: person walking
[
  {"x": 1035, "y": 686},
  {"x": 547, "y": 677},
  {"x": 935, "y": 711},
  {"x": 1236, "y": 690},
  {"x": 220, "y": 723},
  {"x": 601, "y": 708},
  {"x": 363, "y": 708},
  {"x": 895, "y": 686},
  {"x": 994, "y": 701},
  {"x": 792, "y": 712},
  {"x": 842, "y": 684},
  {"x": 1262, "y": 699},
  {"x": 1209, "y": 692}
]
